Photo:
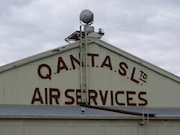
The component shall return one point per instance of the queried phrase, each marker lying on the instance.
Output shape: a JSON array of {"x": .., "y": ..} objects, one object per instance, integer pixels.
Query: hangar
[{"x": 88, "y": 87}]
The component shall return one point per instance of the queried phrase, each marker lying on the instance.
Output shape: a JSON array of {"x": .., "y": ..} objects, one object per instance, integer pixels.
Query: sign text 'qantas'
[{"x": 122, "y": 68}]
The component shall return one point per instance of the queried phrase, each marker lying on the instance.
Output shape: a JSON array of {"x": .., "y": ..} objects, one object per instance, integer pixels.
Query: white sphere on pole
[{"x": 87, "y": 17}]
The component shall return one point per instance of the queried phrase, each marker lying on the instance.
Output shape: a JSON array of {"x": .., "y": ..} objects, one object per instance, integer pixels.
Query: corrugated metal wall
[
  {"x": 115, "y": 78},
  {"x": 87, "y": 127}
]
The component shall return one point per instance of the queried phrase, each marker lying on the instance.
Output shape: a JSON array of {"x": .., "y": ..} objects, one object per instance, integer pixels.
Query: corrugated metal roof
[
  {"x": 28, "y": 111},
  {"x": 159, "y": 112},
  {"x": 53, "y": 111}
]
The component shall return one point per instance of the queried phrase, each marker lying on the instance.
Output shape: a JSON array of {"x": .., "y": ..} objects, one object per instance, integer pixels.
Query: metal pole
[
  {"x": 83, "y": 67},
  {"x": 86, "y": 67},
  {"x": 81, "y": 64}
]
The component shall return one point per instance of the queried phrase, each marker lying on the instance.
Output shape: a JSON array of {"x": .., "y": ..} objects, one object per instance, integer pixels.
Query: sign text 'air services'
[{"x": 72, "y": 96}]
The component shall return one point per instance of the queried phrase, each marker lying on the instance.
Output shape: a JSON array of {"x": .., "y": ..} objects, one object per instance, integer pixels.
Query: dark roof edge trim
[{"x": 118, "y": 111}]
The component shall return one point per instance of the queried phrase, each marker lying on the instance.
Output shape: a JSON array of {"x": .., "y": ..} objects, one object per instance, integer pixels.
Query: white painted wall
[{"x": 115, "y": 78}]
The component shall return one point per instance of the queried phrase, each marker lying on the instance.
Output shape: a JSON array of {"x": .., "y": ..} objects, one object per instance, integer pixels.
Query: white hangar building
[{"x": 88, "y": 87}]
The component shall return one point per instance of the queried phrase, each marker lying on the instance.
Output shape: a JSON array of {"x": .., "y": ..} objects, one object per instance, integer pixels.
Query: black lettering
[
  {"x": 46, "y": 96},
  {"x": 132, "y": 76},
  {"x": 116, "y": 98},
  {"x": 61, "y": 65},
  {"x": 112, "y": 98},
  {"x": 37, "y": 97},
  {"x": 130, "y": 98},
  {"x": 103, "y": 97},
  {"x": 123, "y": 67},
  {"x": 92, "y": 58},
  {"x": 73, "y": 59},
  {"x": 54, "y": 94},
  {"x": 48, "y": 74},
  {"x": 145, "y": 102},
  {"x": 93, "y": 97},
  {"x": 78, "y": 96},
  {"x": 71, "y": 99},
  {"x": 107, "y": 63}
]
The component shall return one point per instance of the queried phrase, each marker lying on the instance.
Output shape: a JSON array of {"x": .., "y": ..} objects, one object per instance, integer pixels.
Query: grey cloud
[{"x": 147, "y": 29}]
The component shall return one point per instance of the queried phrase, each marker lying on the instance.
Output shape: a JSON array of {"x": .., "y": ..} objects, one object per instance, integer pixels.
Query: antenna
[{"x": 87, "y": 17}]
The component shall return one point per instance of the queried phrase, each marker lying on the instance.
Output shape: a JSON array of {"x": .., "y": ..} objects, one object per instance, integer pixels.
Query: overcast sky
[{"x": 149, "y": 29}]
